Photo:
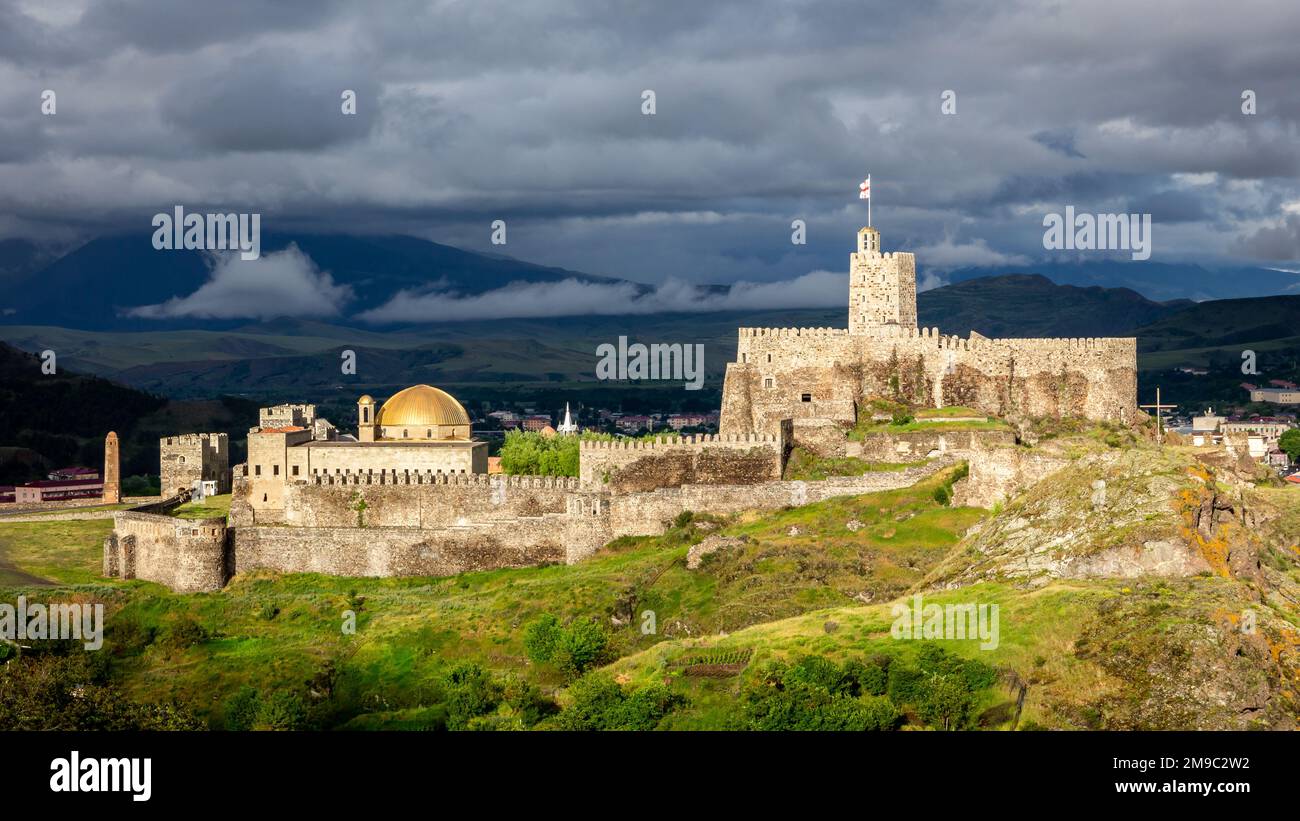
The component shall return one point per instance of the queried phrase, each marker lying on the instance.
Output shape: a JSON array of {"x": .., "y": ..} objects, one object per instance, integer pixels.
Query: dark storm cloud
[
  {"x": 767, "y": 112},
  {"x": 268, "y": 102},
  {"x": 1281, "y": 242}
]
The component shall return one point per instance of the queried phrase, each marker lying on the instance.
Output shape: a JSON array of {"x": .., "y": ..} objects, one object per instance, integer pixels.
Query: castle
[
  {"x": 410, "y": 494},
  {"x": 820, "y": 376}
]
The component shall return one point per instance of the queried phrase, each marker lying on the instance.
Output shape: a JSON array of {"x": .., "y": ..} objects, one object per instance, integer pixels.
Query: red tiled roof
[{"x": 64, "y": 483}]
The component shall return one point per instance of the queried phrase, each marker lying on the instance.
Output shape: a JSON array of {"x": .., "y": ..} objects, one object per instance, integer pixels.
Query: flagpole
[{"x": 869, "y": 225}]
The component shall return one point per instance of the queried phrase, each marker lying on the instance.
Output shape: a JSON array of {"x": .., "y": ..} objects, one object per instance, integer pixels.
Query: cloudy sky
[{"x": 766, "y": 112}]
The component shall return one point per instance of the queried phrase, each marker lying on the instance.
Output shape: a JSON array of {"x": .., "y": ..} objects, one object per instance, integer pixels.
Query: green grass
[
  {"x": 807, "y": 466},
  {"x": 210, "y": 508},
  {"x": 795, "y": 581},
  {"x": 66, "y": 551},
  {"x": 275, "y": 631}
]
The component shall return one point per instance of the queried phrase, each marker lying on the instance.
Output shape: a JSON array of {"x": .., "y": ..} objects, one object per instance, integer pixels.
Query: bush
[
  {"x": 947, "y": 703},
  {"x": 599, "y": 703},
  {"x": 469, "y": 692},
  {"x": 580, "y": 647},
  {"x": 240, "y": 709},
  {"x": 573, "y": 649},
  {"x": 284, "y": 710},
  {"x": 817, "y": 694},
  {"x": 185, "y": 632}
]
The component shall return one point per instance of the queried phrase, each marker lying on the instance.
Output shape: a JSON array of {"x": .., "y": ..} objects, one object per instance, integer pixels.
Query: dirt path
[{"x": 11, "y": 576}]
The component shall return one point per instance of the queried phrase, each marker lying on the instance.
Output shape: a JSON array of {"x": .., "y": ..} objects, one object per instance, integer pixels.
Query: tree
[{"x": 1289, "y": 442}]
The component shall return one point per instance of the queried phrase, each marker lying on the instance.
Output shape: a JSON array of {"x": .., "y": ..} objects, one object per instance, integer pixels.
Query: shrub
[
  {"x": 580, "y": 646},
  {"x": 541, "y": 637},
  {"x": 284, "y": 710},
  {"x": 185, "y": 632},
  {"x": 469, "y": 692},
  {"x": 947, "y": 703},
  {"x": 240, "y": 709},
  {"x": 573, "y": 649},
  {"x": 599, "y": 703},
  {"x": 816, "y": 694}
]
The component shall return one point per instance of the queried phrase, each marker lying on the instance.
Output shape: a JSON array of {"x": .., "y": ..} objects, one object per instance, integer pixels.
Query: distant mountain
[
  {"x": 91, "y": 287},
  {"x": 1225, "y": 323},
  {"x": 1030, "y": 305},
  {"x": 50, "y": 421},
  {"x": 1153, "y": 280},
  {"x": 20, "y": 257}
]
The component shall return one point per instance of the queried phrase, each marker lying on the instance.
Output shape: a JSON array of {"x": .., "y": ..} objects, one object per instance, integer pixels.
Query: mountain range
[{"x": 77, "y": 306}]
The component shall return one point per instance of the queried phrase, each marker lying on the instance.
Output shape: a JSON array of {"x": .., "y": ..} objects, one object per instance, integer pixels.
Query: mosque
[{"x": 419, "y": 431}]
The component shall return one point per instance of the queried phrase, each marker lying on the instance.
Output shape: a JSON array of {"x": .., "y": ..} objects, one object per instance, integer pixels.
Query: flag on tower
[{"x": 864, "y": 190}]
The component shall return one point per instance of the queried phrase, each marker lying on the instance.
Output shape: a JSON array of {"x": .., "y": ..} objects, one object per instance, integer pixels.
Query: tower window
[
  {"x": 275, "y": 470},
  {"x": 807, "y": 397},
  {"x": 257, "y": 470},
  {"x": 769, "y": 357},
  {"x": 295, "y": 470},
  {"x": 769, "y": 382}
]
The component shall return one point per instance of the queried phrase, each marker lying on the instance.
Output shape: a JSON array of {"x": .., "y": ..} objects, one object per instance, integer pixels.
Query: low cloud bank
[
  {"x": 282, "y": 284},
  {"x": 575, "y": 297}
]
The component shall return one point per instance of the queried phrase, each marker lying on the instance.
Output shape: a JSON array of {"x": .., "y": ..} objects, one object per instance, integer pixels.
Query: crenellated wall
[
  {"x": 640, "y": 465},
  {"x": 824, "y": 373},
  {"x": 187, "y": 555}
]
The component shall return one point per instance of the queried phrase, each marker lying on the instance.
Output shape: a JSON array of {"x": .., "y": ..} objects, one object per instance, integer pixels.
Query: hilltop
[{"x": 1091, "y": 633}]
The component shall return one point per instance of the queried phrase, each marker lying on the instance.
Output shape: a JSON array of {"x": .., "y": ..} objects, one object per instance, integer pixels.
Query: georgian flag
[{"x": 864, "y": 190}]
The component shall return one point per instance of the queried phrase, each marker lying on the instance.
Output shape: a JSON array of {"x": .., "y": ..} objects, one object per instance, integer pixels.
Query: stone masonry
[
  {"x": 194, "y": 457},
  {"x": 826, "y": 373}
]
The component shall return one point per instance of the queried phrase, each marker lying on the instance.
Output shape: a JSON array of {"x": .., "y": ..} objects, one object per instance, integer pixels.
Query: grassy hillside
[{"x": 733, "y": 629}]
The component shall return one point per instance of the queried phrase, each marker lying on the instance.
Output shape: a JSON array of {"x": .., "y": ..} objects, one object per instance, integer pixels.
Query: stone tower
[
  {"x": 112, "y": 470},
  {"x": 882, "y": 287}
]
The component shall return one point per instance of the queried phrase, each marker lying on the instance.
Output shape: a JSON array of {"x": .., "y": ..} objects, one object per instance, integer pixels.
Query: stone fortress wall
[
  {"x": 186, "y": 555},
  {"x": 825, "y": 373},
  {"x": 299, "y": 511},
  {"x": 440, "y": 524},
  {"x": 668, "y": 461}
]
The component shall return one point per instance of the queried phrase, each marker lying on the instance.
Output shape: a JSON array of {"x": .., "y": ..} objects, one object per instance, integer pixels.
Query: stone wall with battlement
[
  {"x": 825, "y": 373},
  {"x": 192, "y": 457},
  {"x": 639, "y": 465},
  {"x": 413, "y": 551},
  {"x": 186, "y": 555},
  {"x": 419, "y": 500},
  {"x": 652, "y": 512}
]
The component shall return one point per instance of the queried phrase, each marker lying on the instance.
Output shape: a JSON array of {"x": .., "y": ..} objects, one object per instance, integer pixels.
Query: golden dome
[{"x": 421, "y": 405}]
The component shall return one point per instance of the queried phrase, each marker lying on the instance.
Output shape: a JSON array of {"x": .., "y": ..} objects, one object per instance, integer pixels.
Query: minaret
[
  {"x": 882, "y": 287},
  {"x": 112, "y": 470},
  {"x": 365, "y": 419},
  {"x": 567, "y": 426}
]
